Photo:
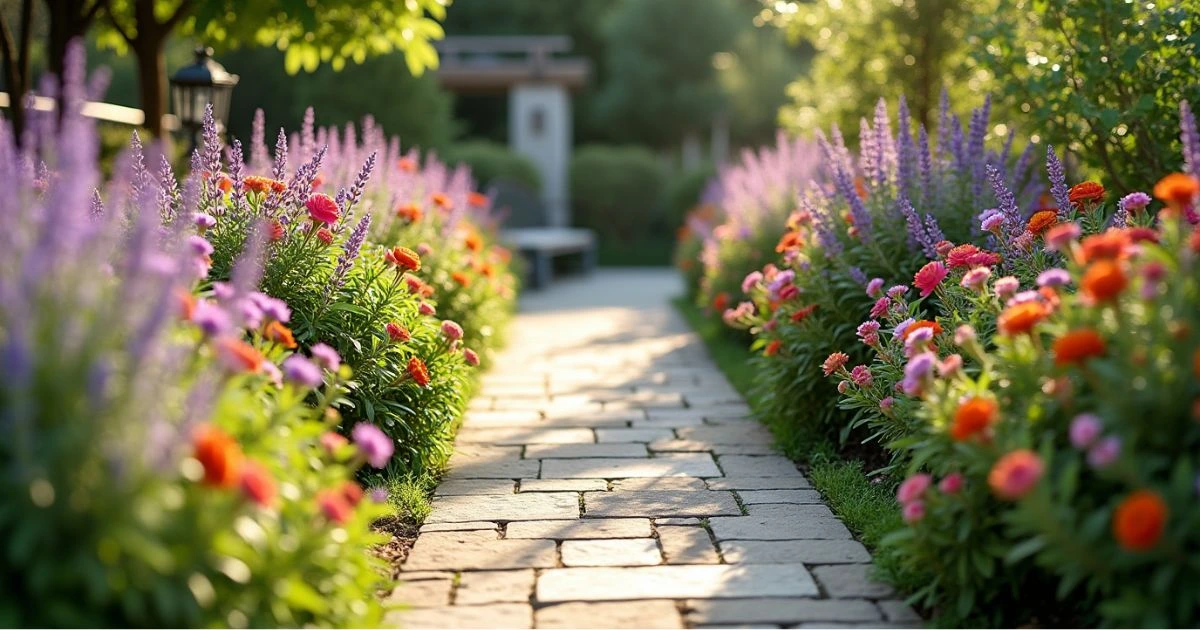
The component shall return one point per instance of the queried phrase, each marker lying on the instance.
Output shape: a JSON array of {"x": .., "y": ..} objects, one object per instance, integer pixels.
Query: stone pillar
[{"x": 539, "y": 127}]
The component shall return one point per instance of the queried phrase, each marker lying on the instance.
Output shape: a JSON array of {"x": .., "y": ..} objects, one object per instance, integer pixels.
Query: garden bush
[
  {"x": 1007, "y": 375},
  {"x": 170, "y": 460},
  {"x": 616, "y": 191},
  {"x": 491, "y": 162}
]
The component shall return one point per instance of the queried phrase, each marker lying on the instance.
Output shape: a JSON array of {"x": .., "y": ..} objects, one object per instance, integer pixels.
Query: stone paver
[
  {"x": 504, "y": 507},
  {"x": 654, "y": 613},
  {"x": 660, "y": 503},
  {"x": 581, "y": 529},
  {"x": 494, "y": 587},
  {"x": 613, "y": 552},
  {"x": 604, "y": 413},
  {"x": 668, "y": 465},
  {"x": 675, "y": 582},
  {"x": 687, "y": 545}
]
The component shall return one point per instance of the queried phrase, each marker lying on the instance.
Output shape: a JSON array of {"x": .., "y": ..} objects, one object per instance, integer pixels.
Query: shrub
[
  {"x": 682, "y": 192},
  {"x": 616, "y": 190},
  {"x": 490, "y": 162},
  {"x": 161, "y": 469}
]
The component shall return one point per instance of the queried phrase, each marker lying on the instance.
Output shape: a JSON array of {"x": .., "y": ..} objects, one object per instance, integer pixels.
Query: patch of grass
[
  {"x": 868, "y": 509},
  {"x": 409, "y": 497}
]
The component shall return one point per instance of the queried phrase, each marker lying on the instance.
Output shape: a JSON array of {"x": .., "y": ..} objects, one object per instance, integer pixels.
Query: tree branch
[
  {"x": 94, "y": 10},
  {"x": 112, "y": 19},
  {"x": 185, "y": 6}
]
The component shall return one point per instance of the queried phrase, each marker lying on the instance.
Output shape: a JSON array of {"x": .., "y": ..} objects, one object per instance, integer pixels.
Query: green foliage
[
  {"x": 490, "y": 161},
  {"x": 616, "y": 190},
  {"x": 867, "y": 50},
  {"x": 1101, "y": 78},
  {"x": 682, "y": 192},
  {"x": 661, "y": 88}
]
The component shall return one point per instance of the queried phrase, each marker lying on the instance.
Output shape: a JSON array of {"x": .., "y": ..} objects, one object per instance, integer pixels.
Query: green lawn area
[{"x": 868, "y": 509}]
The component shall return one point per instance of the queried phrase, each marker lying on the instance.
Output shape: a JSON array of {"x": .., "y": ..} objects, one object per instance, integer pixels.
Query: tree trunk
[
  {"x": 152, "y": 72},
  {"x": 16, "y": 66}
]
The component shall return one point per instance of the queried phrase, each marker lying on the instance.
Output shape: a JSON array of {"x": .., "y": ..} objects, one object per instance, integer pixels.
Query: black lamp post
[{"x": 195, "y": 86}]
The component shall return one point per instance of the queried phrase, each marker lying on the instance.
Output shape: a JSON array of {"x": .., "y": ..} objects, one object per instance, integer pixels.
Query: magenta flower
[
  {"x": 976, "y": 279},
  {"x": 451, "y": 330},
  {"x": 869, "y": 327},
  {"x": 1005, "y": 287},
  {"x": 875, "y": 287},
  {"x": 273, "y": 374},
  {"x": 203, "y": 221},
  {"x": 950, "y": 365},
  {"x": 200, "y": 245},
  {"x": 881, "y": 307},
  {"x": 1084, "y": 430},
  {"x": 213, "y": 320},
  {"x": 751, "y": 279},
  {"x": 373, "y": 443},
  {"x": 303, "y": 372},
  {"x": 914, "y": 512},
  {"x": 930, "y": 276},
  {"x": 951, "y": 483},
  {"x": 964, "y": 335},
  {"x": 326, "y": 357},
  {"x": 1058, "y": 237},
  {"x": 886, "y": 404},
  {"x": 470, "y": 357},
  {"x": 897, "y": 292},
  {"x": 1134, "y": 201},
  {"x": 1103, "y": 453},
  {"x": 913, "y": 488},
  {"x": 426, "y": 308},
  {"x": 861, "y": 375}
]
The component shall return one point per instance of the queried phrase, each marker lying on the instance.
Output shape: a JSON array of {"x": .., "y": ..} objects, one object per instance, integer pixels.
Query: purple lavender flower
[
  {"x": 303, "y": 372},
  {"x": 168, "y": 190},
  {"x": 258, "y": 145},
  {"x": 360, "y": 183},
  {"x": 236, "y": 167},
  {"x": 1053, "y": 278},
  {"x": 926, "y": 165},
  {"x": 373, "y": 443},
  {"x": 1133, "y": 202},
  {"x": 1058, "y": 183},
  {"x": 213, "y": 320},
  {"x": 200, "y": 245},
  {"x": 378, "y": 494},
  {"x": 326, "y": 357},
  {"x": 349, "y": 255},
  {"x": 279, "y": 168},
  {"x": 1190, "y": 138},
  {"x": 858, "y": 275},
  {"x": 905, "y": 150},
  {"x": 1007, "y": 204}
]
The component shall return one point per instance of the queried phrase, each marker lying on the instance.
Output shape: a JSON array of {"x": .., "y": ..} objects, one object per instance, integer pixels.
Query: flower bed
[
  {"x": 1013, "y": 384},
  {"x": 198, "y": 374}
]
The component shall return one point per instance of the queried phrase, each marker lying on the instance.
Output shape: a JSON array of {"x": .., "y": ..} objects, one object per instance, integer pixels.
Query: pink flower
[
  {"x": 1005, "y": 287},
  {"x": 964, "y": 335},
  {"x": 881, "y": 307},
  {"x": 424, "y": 249},
  {"x": 886, "y": 404},
  {"x": 875, "y": 287},
  {"x": 425, "y": 308},
  {"x": 861, "y": 375},
  {"x": 951, "y": 483},
  {"x": 834, "y": 362},
  {"x": 976, "y": 279},
  {"x": 1105, "y": 452},
  {"x": 914, "y": 512},
  {"x": 751, "y": 279},
  {"x": 843, "y": 387},
  {"x": 992, "y": 220},
  {"x": 930, "y": 276},
  {"x": 1015, "y": 474},
  {"x": 1057, "y": 238},
  {"x": 1084, "y": 430},
  {"x": 867, "y": 328},
  {"x": 897, "y": 292},
  {"x": 470, "y": 357},
  {"x": 451, "y": 330},
  {"x": 913, "y": 488},
  {"x": 322, "y": 209},
  {"x": 1053, "y": 277},
  {"x": 950, "y": 365}
]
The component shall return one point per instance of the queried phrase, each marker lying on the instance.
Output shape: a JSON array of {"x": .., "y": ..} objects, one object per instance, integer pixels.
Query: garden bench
[{"x": 526, "y": 228}]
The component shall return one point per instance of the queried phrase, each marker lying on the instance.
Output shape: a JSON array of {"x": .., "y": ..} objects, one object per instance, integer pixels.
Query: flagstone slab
[
  {"x": 476, "y": 486},
  {"x": 771, "y": 527},
  {"x": 632, "y": 435},
  {"x": 612, "y": 552},
  {"x": 462, "y": 617},
  {"x": 783, "y": 611},
  {"x": 793, "y": 551},
  {"x": 758, "y": 466},
  {"x": 531, "y": 506},
  {"x": 563, "y": 485},
  {"x": 753, "y": 497},
  {"x": 669, "y": 465},
  {"x": 686, "y": 545},
  {"x": 458, "y": 527},
  {"x": 851, "y": 580},
  {"x": 576, "y": 451},
  {"x": 494, "y": 587},
  {"x": 660, "y": 503},
  {"x": 658, "y": 483},
  {"x": 502, "y": 469},
  {"x": 726, "y": 434},
  {"x": 657, "y": 613},
  {"x": 674, "y": 582},
  {"x": 758, "y": 483},
  {"x": 518, "y": 436},
  {"x": 461, "y": 551},
  {"x": 581, "y": 529},
  {"x": 789, "y": 511}
]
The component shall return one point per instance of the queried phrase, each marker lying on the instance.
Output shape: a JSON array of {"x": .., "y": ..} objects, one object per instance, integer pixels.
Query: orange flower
[
  {"x": 1021, "y": 318},
  {"x": 418, "y": 371},
  {"x": 790, "y": 240},
  {"x": 442, "y": 200},
  {"x": 772, "y": 348},
  {"x": 973, "y": 417},
  {"x": 238, "y": 355},
  {"x": 259, "y": 184},
  {"x": 187, "y": 304},
  {"x": 1111, "y": 244},
  {"x": 461, "y": 278},
  {"x": 404, "y": 258},
  {"x": 397, "y": 333},
  {"x": 1104, "y": 281},
  {"x": 860, "y": 187},
  {"x": 279, "y": 334},
  {"x": 219, "y": 454},
  {"x": 257, "y": 484},
  {"x": 473, "y": 241},
  {"x": 406, "y": 165},
  {"x": 1041, "y": 221},
  {"x": 721, "y": 301},
  {"x": 1078, "y": 346},
  {"x": 477, "y": 200},
  {"x": 1085, "y": 192},
  {"x": 922, "y": 323},
  {"x": 1177, "y": 189},
  {"x": 224, "y": 183},
  {"x": 1139, "y": 520},
  {"x": 410, "y": 212}
]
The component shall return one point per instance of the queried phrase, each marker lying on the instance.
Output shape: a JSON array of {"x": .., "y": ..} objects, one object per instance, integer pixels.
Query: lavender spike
[
  {"x": 1058, "y": 182},
  {"x": 279, "y": 168},
  {"x": 349, "y": 253},
  {"x": 258, "y": 144},
  {"x": 168, "y": 190},
  {"x": 1190, "y": 138},
  {"x": 237, "y": 195}
]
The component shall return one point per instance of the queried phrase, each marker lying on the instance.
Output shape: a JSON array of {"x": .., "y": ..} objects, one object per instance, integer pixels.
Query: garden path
[{"x": 608, "y": 476}]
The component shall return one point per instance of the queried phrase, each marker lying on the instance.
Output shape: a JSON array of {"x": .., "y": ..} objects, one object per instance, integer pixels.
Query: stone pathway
[{"x": 608, "y": 476}]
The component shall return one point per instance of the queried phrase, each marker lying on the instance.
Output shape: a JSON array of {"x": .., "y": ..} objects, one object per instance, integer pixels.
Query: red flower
[
  {"x": 418, "y": 371},
  {"x": 1139, "y": 520},
  {"x": 334, "y": 506},
  {"x": 257, "y": 484},
  {"x": 834, "y": 361},
  {"x": 397, "y": 333},
  {"x": 1086, "y": 192},
  {"x": 322, "y": 209},
  {"x": 406, "y": 165},
  {"x": 219, "y": 454},
  {"x": 477, "y": 200},
  {"x": 721, "y": 302},
  {"x": 1177, "y": 189},
  {"x": 772, "y": 348},
  {"x": 1041, "y": 221},
  {"x": 258, "y": 184},
  {"x": 404, "y": 258},
  {"x": 935, "y": 327},
  {"x": 352, "y": 492},
  {"x": 1077, "y": 346},
  {"x": 973, "y": 417},
  {"x": 930, "y": 276},
  {"x": 473, "y": 241},
  {"x": 1021, "y": 318},
  {"x": 803, "y": 313},
  {"x": 277, "y": 230},
  {"x": 238, "y": 355},
  {"x": 970, "y": 256},
  {"x": 1109, "y": 245},
  {"x": 325, "y": 236},
  {"x": 442, "y": 200}
]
